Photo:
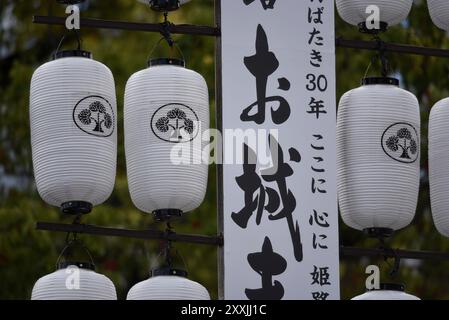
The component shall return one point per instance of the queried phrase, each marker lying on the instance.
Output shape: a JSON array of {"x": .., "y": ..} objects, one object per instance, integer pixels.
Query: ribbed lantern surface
[
  {"x": 73, "y": 130},
  {"x": 391, "y": 12},
  {"x": 73, "y": 283},
  {"x": 439, "y": 165},
  {"x": 378, "y": 139},
  {"x": 166, "y": 112},
  {"x": 168, "y": 288},
  {"x": 439, "y": 12},
  {"x": 387, "y": 292}
]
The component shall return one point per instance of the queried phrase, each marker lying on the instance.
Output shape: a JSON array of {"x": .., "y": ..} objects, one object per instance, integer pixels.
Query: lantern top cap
[
  {"x": 166, "y": 271},
  {"x": 81, "y": 265},
  {"x": 72, "y": 53},
  {"x": 380, "y": 80},
  {"x": 166, "y": 62},
  {"x": 390, "y": 287}
]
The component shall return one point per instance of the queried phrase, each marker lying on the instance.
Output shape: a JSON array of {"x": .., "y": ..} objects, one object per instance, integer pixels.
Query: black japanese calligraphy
[
  {"x": 261, "y": 65},
  {"x": 319, "y": 219},
  {"x": 316, "y": 16},
  {"x": 316, "y": 107},
  {"x": 320, "y": 276},
  {"x": 255, "y": 192},
  {"x": 316, "y": 58},
  {"x": 320, "y": 295},
  {"x": 266, "y": 4},
  {"x": 316, "y": 241},
  {"x": 267, "y": 264}
]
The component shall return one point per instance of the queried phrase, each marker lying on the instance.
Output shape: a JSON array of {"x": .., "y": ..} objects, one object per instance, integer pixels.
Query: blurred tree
[{"x": 27, "y": 254}]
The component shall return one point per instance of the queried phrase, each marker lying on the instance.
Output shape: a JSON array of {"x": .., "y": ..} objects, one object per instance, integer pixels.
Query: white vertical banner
[{"x": 279, "y": 170}]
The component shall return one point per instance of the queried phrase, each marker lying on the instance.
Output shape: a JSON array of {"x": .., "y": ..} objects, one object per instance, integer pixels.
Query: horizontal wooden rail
[
  {"x": 216, "y": 32},
  {"x": 134, "y": 26},
  {"x": 391, "y": 47},
  {"x": 345, "y": 252},
  {"x": 392, "y": 253},
  {"x": 138, "y": 234}
]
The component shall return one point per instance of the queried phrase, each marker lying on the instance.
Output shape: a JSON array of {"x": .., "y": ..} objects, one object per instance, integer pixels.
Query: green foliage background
[{"x": 27, "y": 254}]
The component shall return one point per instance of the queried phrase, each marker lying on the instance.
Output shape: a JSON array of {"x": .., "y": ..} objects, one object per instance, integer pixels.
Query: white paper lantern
[
  {"x": 76, "y": 281},
  {"x": 387, "y": 292},
  {"x": 73, "y": 131},
  {"x": 391, "y": 12},
  {"x": 439, "y": 165},
  {"x": 378, "y": 139},
  {"x": 168, "y": 286},
  {"x": 439, "y": 12},
  {"x": 166, "y": 113}
]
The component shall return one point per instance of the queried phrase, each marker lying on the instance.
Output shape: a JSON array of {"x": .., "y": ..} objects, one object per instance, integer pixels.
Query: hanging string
[
  {"x": 78, "y": 39},
  {"x": 167, "y": 37},
  {"x": 381, "y": 56},
  {"x": 170, "y": 251},
  {"x": 172, "y": 49},
  {"x": 369, "y": 66},
  {"x": 165, "y": 30},
  {"x": 168, "y": 246},
  {"x": 388, "y": 253},
  {"x": 71, "y": 243}
]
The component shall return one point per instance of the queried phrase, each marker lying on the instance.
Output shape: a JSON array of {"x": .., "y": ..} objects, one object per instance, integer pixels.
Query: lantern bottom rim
[
  {"x": 363, "y": 28},
  {"x": 76, "y": 208},
  {"x": 167, "y": 214},
  {"x": 378, "y": 232},
  {"x": 164, "y": 6}
]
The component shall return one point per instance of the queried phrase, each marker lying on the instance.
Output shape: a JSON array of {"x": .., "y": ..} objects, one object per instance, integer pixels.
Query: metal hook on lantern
[
  {"x": 397, "y": 262},
  {"x": 174, "y": 45},
  {"x": 78, "y": 39},
  {"x": 166, "y": 35},
  {"x": 70, "y": 243},
  {"x": 382, "y": 57},
  {"x": 388, "y": 253},
  {"x": 168, "y": 246},
  {"x": 165, "y": 30},
  {"x": 385, "y": 65},
  {"x": 168, "y": 252}
]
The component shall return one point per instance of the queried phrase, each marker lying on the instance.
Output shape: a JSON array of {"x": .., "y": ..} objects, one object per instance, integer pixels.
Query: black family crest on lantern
[
  {"x": 400, "y": 141},
  {"x": 94, "y": 115},
  {"x": 175, "y": 123}
]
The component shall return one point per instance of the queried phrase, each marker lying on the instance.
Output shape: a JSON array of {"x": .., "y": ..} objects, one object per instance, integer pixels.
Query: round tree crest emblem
[
  {"x": 175, "y": 123},
  {"x": 400, "y": 142},
  {"x": 94, "y": 115}
]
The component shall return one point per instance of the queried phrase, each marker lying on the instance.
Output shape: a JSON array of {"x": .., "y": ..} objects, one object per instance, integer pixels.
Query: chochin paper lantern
[
  {"x": 439, "y": 12},
  {"x": 166, "y": 113},
  {"x": 168, "y": 284},
  {"x": 73, "y": 131},
  {"x": 391, "y": 12},
  {"x": 378, "y": 139},
  {"x": 439, "y": 165},
  {"x": 74, "y": 281},
  {"x": 387, "y": 292}
]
